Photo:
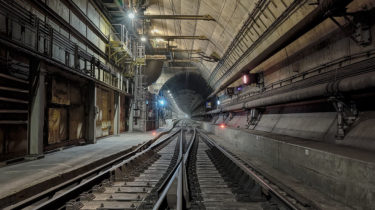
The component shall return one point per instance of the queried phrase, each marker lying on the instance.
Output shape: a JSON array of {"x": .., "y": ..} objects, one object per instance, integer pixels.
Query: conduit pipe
[
  {"x": 306, "y": 24},
  {"x": 349, "y": 84}
]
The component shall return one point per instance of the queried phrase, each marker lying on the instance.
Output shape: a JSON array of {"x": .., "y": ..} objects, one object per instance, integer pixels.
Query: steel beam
[
  {"x": 184, "y": 61},
  {"x": 178, "y": 17},
  {"x": 178, "y": 37},
  {"x": 176, "y": 50},
  {"x": 155, "y": 51}
]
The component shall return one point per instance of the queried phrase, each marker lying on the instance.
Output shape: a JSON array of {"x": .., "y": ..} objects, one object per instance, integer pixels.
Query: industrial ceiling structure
[
  {"x": 221, "y": 40},
  {"x": 192, "y": 34}
]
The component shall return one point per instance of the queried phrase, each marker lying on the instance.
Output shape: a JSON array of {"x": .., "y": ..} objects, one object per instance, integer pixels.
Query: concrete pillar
[
  {"x": 38, "y": 106},
  {"x": 116, "y": 119},
  {"x": 131, "y": 115},
  {"x": 91, "y": 114}
]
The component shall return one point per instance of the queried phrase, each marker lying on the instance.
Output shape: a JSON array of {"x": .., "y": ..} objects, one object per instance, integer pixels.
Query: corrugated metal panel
[
  {"x": 60, "y": 92},
  {"x": 76, "y": 122}
]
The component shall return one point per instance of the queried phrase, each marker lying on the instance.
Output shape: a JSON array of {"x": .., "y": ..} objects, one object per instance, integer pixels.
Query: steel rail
[
  {"x": 248, "y": 171},
  {"x": 178, "y": 173},
  {"x": 86, "y": 185},
  {"x": 84, "y": 182}
]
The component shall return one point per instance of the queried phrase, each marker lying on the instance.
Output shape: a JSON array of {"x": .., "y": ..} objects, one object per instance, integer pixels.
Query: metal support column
[
  {"x": 37, "y": 113},
  {"x": 116, "y": 120},
  {"x": 91, "y": 114}
]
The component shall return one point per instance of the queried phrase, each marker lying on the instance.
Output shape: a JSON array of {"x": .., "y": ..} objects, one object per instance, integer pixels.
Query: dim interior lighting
[
  {"x": 218, "y": 102},
  {"x": 131, "y": 15},
  {"x": 154, "y": 31},
  {"x": 159, "y": 40},
  {"x": 245, "y": 79},
  {"x": 222, "y": 125},
  {"x": 143, "y": 38}
]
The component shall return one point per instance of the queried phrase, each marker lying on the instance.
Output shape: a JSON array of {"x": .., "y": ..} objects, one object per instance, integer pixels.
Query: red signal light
[{"x": 222, "y": 125}]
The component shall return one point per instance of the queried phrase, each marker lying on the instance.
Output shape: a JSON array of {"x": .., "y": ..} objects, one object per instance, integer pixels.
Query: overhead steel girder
[
  {"x": 178, "y": 17},
  {"x": 178, "y": 37},
  {"x": 168, "y": 50},
  {"x": 176, "y": 50},
  {"x": 184, "y": 61}
]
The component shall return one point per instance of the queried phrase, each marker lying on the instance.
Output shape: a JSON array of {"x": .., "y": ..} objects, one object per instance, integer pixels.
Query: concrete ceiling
[
  {"x": 189, "y": 90},
  {"x": 229, "y": 16}
]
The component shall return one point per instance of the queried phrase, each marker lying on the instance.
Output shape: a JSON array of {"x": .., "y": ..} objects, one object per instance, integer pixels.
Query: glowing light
[
  {"x": 154, "y": 133},
  {"x": 222, "y": 125},
  {"x": 154, "y": 31},
  {"x": 143, "y": 38},
  {"x": 162, "y": 102},
  {"x": 245, "y": 78},
  {"x": 159, "y": 40},
  {"x": 218, "y": 102},
  {"x": 169, "y": 91},
  {"x": 131, "y": 15}
]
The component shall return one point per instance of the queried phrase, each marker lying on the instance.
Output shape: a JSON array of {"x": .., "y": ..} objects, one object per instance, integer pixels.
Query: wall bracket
[
  {"x": 253, "y": 117},
  {"x": 347, "y": 114},
  {"x": 358, "y": 26}
]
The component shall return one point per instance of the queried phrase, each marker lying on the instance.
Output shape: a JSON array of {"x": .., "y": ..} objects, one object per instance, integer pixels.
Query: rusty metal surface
[{"x": 57, "y": 125}]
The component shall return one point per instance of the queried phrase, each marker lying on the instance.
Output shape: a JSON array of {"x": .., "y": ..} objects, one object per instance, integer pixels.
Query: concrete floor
[
  {"x": 321, "y": 172},
  {"x": 15, "y": 178}
]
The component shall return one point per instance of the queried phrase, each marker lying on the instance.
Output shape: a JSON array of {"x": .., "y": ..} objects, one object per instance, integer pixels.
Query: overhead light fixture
[
  {"x": 245, "y": 78},
  {"x": 143, "y": 38},
  {"x": 169, "y": 91},
  {"x": 218, "y": 102},
  {"x": 131, "y": 15},
  {"x": 162, "y": 102}
]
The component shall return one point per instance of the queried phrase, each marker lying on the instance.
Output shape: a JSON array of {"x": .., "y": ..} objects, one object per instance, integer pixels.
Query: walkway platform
[{"x": 61, "y": 165}]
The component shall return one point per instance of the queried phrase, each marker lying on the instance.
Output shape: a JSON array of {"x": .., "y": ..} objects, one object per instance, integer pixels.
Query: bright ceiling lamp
[
  {"x": 154, "y": 31},
  {"x": 143, "y": 39},
  {"x": 131, "y": 15},
  {"x": 162, "y": 102}
]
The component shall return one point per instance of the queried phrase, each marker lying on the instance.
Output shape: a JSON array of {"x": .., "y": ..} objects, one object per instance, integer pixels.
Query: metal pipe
[
  {"x": 349, "y": 84},
  {"x": 306, "y": 24}
]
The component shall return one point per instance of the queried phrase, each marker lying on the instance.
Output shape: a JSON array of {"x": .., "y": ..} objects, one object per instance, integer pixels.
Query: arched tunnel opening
[{"x": 185, "y": 93}]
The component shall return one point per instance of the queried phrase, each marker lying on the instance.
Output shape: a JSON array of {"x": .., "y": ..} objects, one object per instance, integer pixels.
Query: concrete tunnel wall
[
  {"x": 343, "y": 178},
  {"x": 318, "y": 126}
]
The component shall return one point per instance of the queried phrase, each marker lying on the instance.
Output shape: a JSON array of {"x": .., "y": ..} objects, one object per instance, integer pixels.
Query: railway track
[{"x": 186, "y": 170}]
